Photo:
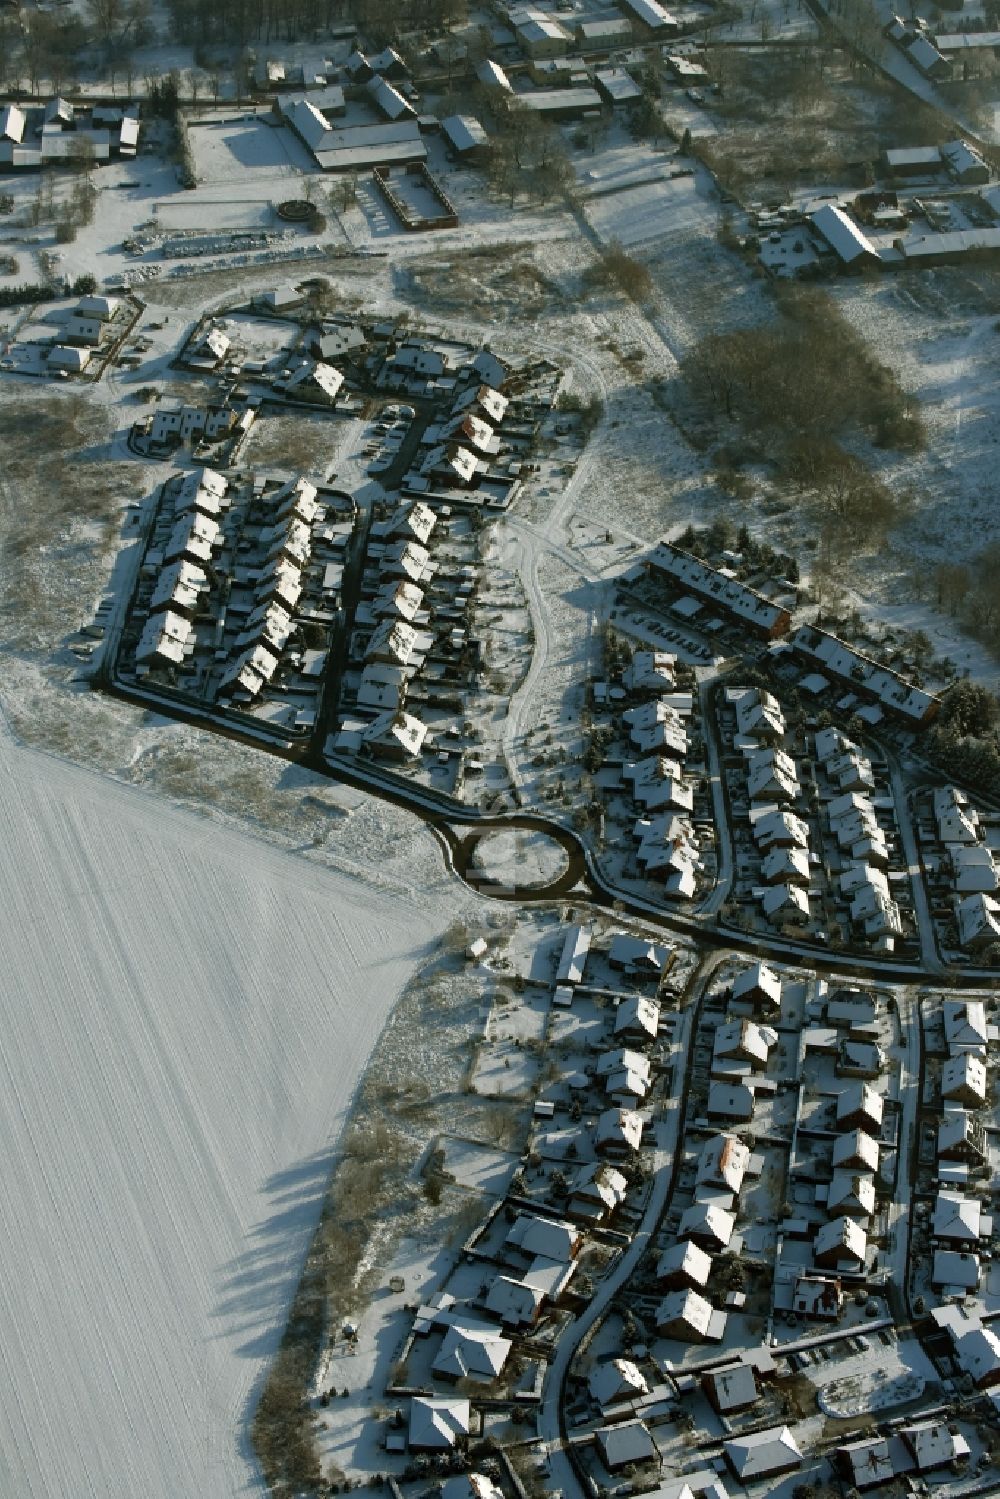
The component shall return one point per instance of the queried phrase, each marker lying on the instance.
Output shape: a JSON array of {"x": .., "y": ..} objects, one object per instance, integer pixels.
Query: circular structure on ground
[
  {"x": 517, "y": 859},
  {"x": 295, "y": 210}
]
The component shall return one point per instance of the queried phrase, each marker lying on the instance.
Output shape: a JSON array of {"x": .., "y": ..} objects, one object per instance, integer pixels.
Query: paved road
[
  {"x": 723, "y": 832},
  {"x": 562, "y": 1475},
  {"x": 895, "y": 1258},
  {"x": 929, "y": 955}
]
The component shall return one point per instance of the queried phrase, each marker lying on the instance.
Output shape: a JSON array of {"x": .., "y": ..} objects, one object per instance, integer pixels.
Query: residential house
[
  {"x": 163, "y": 640},
  {"x": 437, "y": 1425},
  {"x": 771, "y": 776},
  {"x": 618, "y": 1133},
  {"x": 743, "y": 1044},
  {"x": 708, "y": 1225},
  {"x": 961, "y": 1137},
  {"x": 179, "y": 588},
  {"x": 785, "y": 905},
  {"x": 626, "y": 1445},
  {"x": 473, "y": 1353},
  {"x": 785, "y": 865},
  {"x": 841, "y": 1244},
  {"x": 316, "y": 383},
  {"x": 965, "y": 1027},
  {"x": 732, "y": 1103},
  {"x": 957, "y": 1218},
  {"x": 978, "y": 918},
  {"x": 932, "y": 1445},
  {"x": 394, "y": 736},
  {"x": 470, "y": 1486},
  {"x": 731, "y": 1388},
  {"x": 758, "y": 716},
  {"x": 762, "y": 1454},
  {"x": 955, "y": 1272},
  {"x": 856, "y": 1149},
  {"x": 956, "y": 818},
  {"x": 689, "y": 1317},
  {"x": 963, "y": 1080},
  {"x": 852, "y": 1193},
  {"x": 868, "y": 1463},
  {"x": 818, "y": 1298},
  {"x": 637, "y": 1018},
  {"x": 860, "y": 1107},
  {"x": 773, "y": 828},
  {"x": 723, "y": 1163},
  {"x": 514, "y": 1302},
  {"x": 759, "y": 985},
  {"x": 978, "y": 1354},
  {"x": 650, "y": 672},
  {"x": 618, "y": 1379},
  {"x": 638, "y": 954},
  {"x": 552, "y": 1238},
  {"x": 596, "y": 1192},
  {"x": 573, "y": 959},
  {"x": 684, "y": 1264}
]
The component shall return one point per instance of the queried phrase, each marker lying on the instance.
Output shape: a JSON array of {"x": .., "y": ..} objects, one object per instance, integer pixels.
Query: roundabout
[{"x": 513, "y": 861}]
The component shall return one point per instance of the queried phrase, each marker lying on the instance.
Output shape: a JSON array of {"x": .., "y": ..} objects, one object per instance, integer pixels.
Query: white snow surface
[{"x": 184, "y": 1014}]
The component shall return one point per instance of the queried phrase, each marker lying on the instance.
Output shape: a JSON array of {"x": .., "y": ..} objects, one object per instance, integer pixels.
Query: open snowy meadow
[{"x": 184, "y": 1014}]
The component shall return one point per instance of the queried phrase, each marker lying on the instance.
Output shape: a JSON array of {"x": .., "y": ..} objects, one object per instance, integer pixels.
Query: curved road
[{"x": 562, "y": 1474}]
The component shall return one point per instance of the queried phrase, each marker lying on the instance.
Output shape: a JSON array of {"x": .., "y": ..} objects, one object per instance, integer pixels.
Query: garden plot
[
  {"x": 478, "y": 1167},
  {"x": 509, "y": 1059},
  {"x": 667, "y": 209},
  {"x": 875, "y": 1381},
  {"x": 203, "y": 209},
  {"x": 351, "y": 1368},
  {"x": 247, "y": 153}
]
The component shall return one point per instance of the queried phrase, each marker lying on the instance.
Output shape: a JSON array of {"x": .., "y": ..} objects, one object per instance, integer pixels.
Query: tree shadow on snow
[{"x": 257, "y": 1286}]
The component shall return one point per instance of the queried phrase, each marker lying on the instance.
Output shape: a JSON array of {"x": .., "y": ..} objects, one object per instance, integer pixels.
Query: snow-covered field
[{"x": 185, "y": 1013}]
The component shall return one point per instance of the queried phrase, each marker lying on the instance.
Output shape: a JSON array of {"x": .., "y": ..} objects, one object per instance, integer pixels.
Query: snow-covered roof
[
  {"x": 619, "y": 1127},
  {"x": 956, "y": 1217},
  {"x": 475, "y": 1353},
  {"x": 978, "y": 920},
  {"x": 964, "y": 1077},
  {"x": 723, "y": 1162},
  {"x": 732, "y": 1388},
  {"x": 707, "y": 1223},
  {"x": 389, "y": 100},
  {"x": 493, "y": 76},
  {"x": 933, "y": 1444},
  {"x": 858, "y": 1098},
  {"x": 758, "y": 981},
  {"x": 550, "y": 1237},
  {"x": 841, "y": 1238},
  {"x": 464, "y": 132},
  {"x": 651, "y": 13},
  {"x": 842, "y": 234},
  {"x": 627, "y": 1443},
  {"x": 685, "y": 1308},
  {"x": 436, "y": 1424},
  {"x": 853, "y": 666},
  {"x": 856, "y": 1148},
  {"x": 685, "y": 1259},
  {"x": 615, "y": 1380},
  {"x": 573, "y": 959},
  {"x": 725, "y": 592},
  {"x": 978, "y": 1352}
]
